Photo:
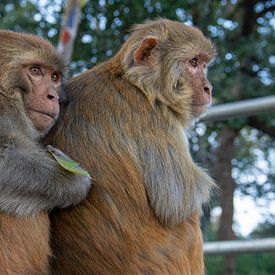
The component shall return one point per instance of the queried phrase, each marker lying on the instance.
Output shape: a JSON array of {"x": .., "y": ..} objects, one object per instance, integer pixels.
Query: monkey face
[
  {"x": 196, "y": 68},
  {"x": 41, "y": 97},
  {"x": 170, "y": 67}
]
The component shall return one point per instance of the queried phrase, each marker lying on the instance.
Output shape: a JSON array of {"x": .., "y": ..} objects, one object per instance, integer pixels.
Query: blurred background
[{"x": 239, "y": 153}]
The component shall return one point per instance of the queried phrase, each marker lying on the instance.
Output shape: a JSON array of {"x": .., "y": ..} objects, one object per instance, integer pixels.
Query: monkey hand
[{"x": 81, "y": 178}]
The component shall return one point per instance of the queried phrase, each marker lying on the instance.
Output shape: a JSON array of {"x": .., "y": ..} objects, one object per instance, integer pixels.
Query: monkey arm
[
  {"x": 175, "y": 185},
  {"x": 30, "y": 180}
]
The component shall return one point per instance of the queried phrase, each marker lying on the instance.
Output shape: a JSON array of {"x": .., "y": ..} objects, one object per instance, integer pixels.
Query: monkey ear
[{"x": 145, "y": 52}]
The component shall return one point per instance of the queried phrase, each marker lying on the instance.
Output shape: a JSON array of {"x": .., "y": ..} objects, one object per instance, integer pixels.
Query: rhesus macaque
[
  {"x": 31, "y": 181},
  {"x": 127, "y": 121}
]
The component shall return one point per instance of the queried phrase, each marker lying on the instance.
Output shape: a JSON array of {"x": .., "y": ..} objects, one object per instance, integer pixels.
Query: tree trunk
[{"x": 225, "y": 154}]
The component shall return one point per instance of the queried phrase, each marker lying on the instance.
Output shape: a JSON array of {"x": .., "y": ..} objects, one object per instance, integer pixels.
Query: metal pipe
[
  {"x": 234, "y": 247},
  {"x": 242, "y": 108}
]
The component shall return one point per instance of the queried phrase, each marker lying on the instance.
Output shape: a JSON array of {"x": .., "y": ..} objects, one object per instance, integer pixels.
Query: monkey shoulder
[{"x": 89, "y": 81}]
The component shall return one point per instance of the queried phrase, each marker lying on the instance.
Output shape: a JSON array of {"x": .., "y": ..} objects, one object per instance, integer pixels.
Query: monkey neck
[
  {"x": 114, "y": 66},
  {"x": 156, "y": 88}
]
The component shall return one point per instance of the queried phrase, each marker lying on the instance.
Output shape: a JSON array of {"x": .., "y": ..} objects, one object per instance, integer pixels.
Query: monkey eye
[
  {"x": 55, "y": 77},
  {"x": 194, "y": 62},
  {"x": 35, "y": 70}
]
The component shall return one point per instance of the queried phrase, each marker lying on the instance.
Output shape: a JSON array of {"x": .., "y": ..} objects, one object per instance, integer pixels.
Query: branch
[
  {"x": 255, "y": 123},
  {"x": 264, "y": 11}
]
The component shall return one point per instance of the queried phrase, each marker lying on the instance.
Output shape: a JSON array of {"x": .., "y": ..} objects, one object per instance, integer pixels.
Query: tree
[{"x": 243, "y": 30}]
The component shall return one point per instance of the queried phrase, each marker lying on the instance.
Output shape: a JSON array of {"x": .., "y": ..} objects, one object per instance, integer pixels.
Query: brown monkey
[
  {"x": 127, "y": 120},
  {"x": 30, "y": 180}
]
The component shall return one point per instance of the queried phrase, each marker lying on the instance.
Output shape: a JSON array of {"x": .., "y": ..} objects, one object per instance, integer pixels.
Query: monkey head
[
  {"x": 31, "y": 65},
  {"x": 168, "y": 61}
]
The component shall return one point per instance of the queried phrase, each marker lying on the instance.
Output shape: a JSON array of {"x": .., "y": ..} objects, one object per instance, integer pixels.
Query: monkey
[
  {"x": 127, "y": 120},
  {"x": 31, "y": 181}
]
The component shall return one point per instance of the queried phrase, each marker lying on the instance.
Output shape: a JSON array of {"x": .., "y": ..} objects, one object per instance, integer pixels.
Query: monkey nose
[
  {"x": 52, "y": 95},
  {"x": 208, "y": 88}
]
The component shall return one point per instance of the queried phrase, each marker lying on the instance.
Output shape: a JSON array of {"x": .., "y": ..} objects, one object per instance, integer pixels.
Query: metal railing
[
  {"x": 241, "y": 108},
  {"x": 234, "y": 247},
  {"x": 224, "y": 112}
]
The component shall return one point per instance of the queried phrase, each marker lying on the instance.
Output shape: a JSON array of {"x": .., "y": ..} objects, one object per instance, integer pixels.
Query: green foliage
[
  {"x": 266, "y": 229},
  {"x": 214, "y": 265},
  {"x": 33, "y": 17},
  {"x": 246, "y": 264},
  {"x": 256, "y": 264}
]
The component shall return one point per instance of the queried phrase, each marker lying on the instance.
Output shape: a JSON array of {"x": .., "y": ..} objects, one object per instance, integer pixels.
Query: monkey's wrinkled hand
[{"x": 81, "y": 178}]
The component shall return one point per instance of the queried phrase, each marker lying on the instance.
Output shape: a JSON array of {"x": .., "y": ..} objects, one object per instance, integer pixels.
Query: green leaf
[{"x": 67, "y": 163}]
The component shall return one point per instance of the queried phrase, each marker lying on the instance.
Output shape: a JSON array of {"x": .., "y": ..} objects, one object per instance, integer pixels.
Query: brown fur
[
  {"x": 126, "y": 122},
  {"x": 24, "y": 248}
]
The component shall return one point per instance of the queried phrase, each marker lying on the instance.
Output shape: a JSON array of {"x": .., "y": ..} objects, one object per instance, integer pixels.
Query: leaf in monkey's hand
[{"x": 66, "y": 162}]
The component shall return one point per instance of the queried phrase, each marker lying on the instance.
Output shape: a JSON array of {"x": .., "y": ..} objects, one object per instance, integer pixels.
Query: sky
[{"x": 247, "y": 213}]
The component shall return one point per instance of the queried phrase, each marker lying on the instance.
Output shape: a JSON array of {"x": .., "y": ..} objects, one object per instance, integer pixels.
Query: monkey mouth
[
  {"x": 201, "y": 105},
  {"x": 43, "y": 121},
  {"x": 51, "y": 116},
  {"x": 199, "y": 109}
]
